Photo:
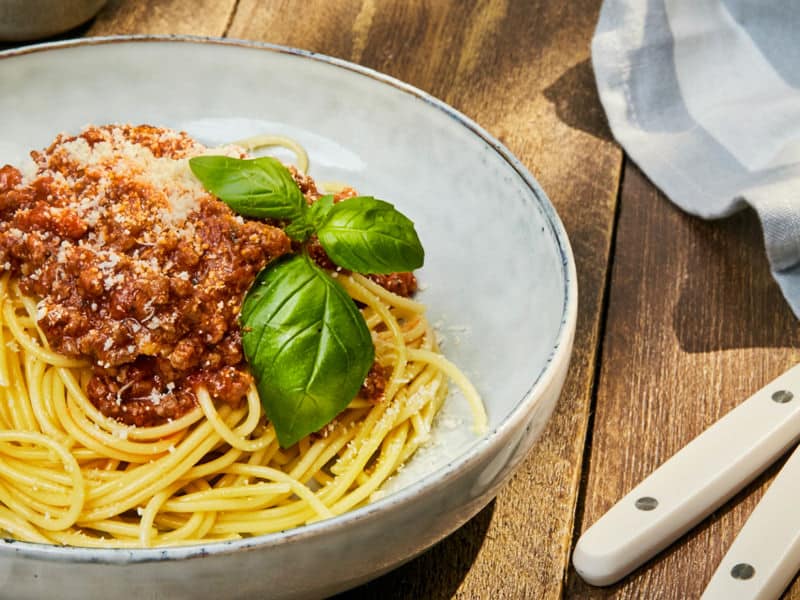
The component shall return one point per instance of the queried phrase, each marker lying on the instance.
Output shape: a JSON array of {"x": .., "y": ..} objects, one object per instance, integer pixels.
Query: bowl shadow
[{"x": 443, "y": 566}]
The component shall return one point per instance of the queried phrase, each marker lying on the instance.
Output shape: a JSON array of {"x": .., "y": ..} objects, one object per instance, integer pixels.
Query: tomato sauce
[{"x": 137, "y": 267}]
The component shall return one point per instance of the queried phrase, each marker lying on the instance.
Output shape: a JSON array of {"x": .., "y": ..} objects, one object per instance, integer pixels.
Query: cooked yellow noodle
[
  {"x": 271, "y": 141},
  {"x": 70, "y": 475}
]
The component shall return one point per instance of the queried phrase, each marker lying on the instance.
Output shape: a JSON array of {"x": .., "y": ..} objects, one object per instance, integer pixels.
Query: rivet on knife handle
[
  {"x": 691, "y": 484},
  {"x": 765, "y": 556}
]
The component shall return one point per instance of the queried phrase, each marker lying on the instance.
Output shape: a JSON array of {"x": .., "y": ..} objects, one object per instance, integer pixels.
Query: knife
[{"x": 690, "y": 485}]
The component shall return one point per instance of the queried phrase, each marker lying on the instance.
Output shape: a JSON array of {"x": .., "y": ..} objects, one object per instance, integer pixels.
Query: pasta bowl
[
  {"x": 499, "y": 284},
  {"x": 35, "y": 19}
]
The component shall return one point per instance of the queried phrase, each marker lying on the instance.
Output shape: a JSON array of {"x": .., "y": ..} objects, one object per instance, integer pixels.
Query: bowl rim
[{"x": 559, "y": 353}]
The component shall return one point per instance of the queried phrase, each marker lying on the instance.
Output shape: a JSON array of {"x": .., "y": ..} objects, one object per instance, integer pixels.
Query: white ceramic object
[
  {"x": 765, "y": 556},
  {"x": 34, "y": 19},
  {"x": 699, "y": 478},
  {"x": 499, "y": 280}
]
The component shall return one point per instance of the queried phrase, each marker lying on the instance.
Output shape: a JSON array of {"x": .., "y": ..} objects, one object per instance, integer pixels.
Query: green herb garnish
[
  {"x": 308, "y": 344},
  {"x": 367, "y": 235},
  {"x": 259, "y": 187},
  {"x": 305, "y": 339}
]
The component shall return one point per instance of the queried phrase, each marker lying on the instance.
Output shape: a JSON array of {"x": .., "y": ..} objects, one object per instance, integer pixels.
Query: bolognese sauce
[{"x": 140, "y": 270}]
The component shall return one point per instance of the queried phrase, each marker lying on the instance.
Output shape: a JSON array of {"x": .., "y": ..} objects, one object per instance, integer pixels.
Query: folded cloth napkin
[{"x": 704, "y": 95}]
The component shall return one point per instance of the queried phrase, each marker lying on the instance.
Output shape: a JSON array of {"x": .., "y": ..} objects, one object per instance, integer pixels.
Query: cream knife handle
[
  {"x": 691, "y": 484},
  {"x": 765, "y": 556}
]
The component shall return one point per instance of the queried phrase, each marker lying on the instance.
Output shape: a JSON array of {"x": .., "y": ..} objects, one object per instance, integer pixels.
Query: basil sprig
[{"x": 306, "y": 341}]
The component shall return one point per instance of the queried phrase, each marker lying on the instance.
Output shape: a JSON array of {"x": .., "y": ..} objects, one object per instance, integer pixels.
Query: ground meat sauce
[{"x": 140, "y": 270}]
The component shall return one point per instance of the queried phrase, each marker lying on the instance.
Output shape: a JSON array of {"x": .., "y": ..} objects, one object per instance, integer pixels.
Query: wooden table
[{"x": 679, "y": 319}]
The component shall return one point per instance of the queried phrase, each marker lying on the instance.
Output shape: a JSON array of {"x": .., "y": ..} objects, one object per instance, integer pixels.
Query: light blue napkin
[{"x": 704, "y": 95}]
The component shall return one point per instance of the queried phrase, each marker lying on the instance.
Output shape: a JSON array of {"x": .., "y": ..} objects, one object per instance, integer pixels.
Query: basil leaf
[
  {"x": 368, "y": 235},
  {"x": 307, "y": 344},
  {"x": 257, "y": 187}
]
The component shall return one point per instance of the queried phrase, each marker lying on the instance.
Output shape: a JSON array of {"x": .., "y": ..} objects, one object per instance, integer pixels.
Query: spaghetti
[{"x": 71, "y": 475}]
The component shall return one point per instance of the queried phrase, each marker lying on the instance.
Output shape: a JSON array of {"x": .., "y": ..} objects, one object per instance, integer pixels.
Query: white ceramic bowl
[
  {"x": 33, "y": 19},
  {"x": 499, "y": 279}
]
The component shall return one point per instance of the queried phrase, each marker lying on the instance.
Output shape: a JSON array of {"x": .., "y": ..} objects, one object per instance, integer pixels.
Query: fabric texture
[{"x": 704, "y": 95}]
